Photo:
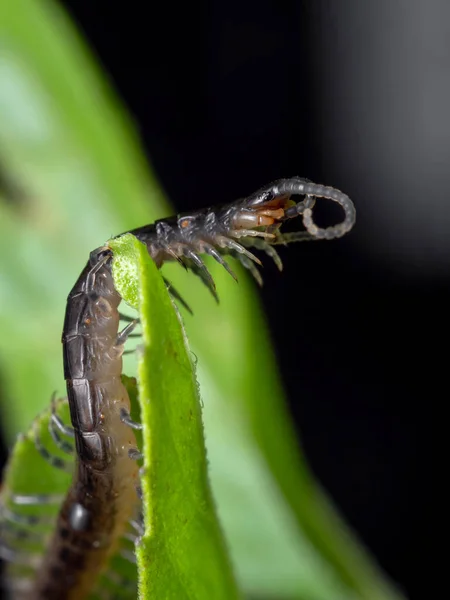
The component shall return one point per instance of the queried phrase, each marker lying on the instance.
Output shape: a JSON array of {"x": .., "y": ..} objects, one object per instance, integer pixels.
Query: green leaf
[
  {"x": 29, "y": 475},
  {"x": 182, "y": 554},
  {"x": 71, "y": 161}
]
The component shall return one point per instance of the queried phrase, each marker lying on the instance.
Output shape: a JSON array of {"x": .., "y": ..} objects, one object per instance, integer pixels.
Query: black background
[{"x": 231, "y": 95}]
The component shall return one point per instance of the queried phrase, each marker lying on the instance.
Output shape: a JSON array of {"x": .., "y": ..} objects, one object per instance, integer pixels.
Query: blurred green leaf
[
  {"x": 182, "y": 554},
  {"x": 27, "y": 475},
  {"x": 73, "y": 162}
]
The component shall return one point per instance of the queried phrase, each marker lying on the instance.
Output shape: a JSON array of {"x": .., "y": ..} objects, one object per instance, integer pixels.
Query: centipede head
[
  {"x": 262, "y": 213},
  {"x": 252, "y": 222}
]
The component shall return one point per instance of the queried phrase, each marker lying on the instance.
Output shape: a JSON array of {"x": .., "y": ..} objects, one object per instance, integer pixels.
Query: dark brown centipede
[
  {"x": 103, "y": 497},
  {"x": 253, "y": 222}
]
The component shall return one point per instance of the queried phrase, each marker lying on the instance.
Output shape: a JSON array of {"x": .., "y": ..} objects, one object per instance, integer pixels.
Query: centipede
[
  {"x": 253, "y": 222},
  {"x": 103, "y": 496}
]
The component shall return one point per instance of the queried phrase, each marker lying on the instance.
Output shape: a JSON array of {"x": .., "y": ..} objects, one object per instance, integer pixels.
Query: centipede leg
[
  {"x": 137, "y": 525},
  {"x": 34, "y": 499},
  {"x": 126, "y": 318},
  {"x": 25, "y": 520},
  {"x": 237, "y": 249},
  {"x": 9, "y": 555},
  {"x": 130, "y": 537},
  {"x": 239, "y": 233},
  {"x": 59, "y": 424},
  {"x": 124, "y": 334},
  {"x": 16, "y": 588},
  {"x": 176, "y": 296},
  {"x": 249, "y": 265},
  {"x": 205, "y": 279},
  {"x": 128, "y": 555},
  {"x": 55, "y": 426},
  {"x": 126, "y": 352},
  {"x": 121, "y": 584},
  {"x": 198, "y": 267},
  {"x": 126, "y": 418},
  {"x": 219, "y": 258},
  {"x": 135, "y": 454},
  {"x": 139, "y": 492},
  {"x": 294, "y": 236},
  {"x": 54, "y": 461},
  {"x": 18, "y": 533},
  {"x": 268, "y": 249},
  {"x": 91, "y": 276}
]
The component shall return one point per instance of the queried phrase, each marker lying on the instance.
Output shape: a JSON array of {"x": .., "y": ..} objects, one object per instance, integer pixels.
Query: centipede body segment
[{"x": 103, "y": 496}]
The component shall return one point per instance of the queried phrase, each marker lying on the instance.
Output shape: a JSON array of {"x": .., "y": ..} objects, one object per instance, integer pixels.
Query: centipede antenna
[
  {"x": 125, "y": 418},
  {"x": 219, "y": 258},
  {"x": 176, "y": 296},
  {"x": 135, "y": 454},
  {"x": 126, "y": 331},
  {"x": 135, "y": 335},
  {"x": 127, "y": 352},
  {"x": 300, "y": 207},
  {"x": 299, "y": 186}
]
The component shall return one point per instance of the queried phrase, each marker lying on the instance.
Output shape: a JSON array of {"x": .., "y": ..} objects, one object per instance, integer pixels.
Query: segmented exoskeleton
[
  {"x": 103, "y": 496},
  {"x": 254, "y": 221}
]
